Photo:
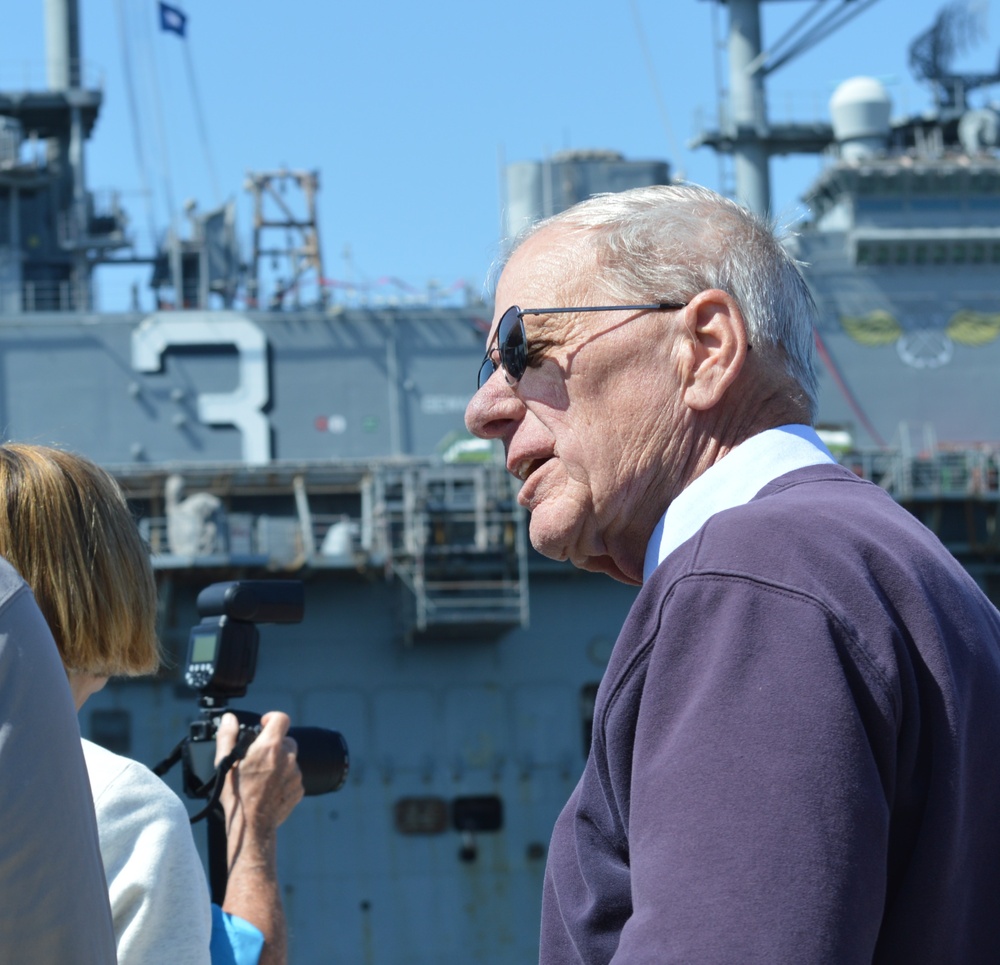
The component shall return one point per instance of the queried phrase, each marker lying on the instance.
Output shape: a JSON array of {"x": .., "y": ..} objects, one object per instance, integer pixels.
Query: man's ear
[{"x": 715, "y": 347}]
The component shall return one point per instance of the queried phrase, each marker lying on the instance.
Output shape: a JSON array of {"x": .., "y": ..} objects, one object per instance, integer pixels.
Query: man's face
[{"x": 587, "y": 426}]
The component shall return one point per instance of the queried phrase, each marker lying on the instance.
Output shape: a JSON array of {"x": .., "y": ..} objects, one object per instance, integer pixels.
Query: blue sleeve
[{"x": 234, "y": 941}]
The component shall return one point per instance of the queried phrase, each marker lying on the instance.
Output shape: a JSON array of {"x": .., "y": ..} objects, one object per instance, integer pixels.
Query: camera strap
[{"x": 213, "y": 786}]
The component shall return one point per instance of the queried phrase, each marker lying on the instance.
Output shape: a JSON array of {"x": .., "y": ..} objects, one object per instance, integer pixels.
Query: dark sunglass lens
[
  {"x": 512, "y": 344},
  {"x": 485, "y": 371}
]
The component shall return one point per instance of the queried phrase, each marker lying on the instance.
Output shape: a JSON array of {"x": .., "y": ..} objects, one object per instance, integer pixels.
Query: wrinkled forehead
[{"x": 554, "y": 267}]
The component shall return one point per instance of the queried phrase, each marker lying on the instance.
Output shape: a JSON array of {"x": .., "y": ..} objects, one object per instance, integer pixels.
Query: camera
[
  {"x": 221, "y": 663},
  {"x": 322, "y": 754}
]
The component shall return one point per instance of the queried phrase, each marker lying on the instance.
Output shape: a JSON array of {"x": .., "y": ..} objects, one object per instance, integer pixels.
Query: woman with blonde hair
[{"x": 66, "y": 527}]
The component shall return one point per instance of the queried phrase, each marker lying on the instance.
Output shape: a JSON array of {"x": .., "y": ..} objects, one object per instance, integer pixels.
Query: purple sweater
[{"x": 796, "y": 750}]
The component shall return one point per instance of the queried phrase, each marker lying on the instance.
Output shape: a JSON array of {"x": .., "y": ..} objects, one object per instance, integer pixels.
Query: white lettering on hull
[{"x": 243, "y": 407}]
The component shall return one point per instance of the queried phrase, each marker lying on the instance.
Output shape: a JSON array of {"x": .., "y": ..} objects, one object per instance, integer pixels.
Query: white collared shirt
[{"x": 732, "y": 481}]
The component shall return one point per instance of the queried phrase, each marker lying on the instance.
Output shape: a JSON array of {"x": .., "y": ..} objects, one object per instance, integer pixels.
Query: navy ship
[{"x": 315, "y": 442}]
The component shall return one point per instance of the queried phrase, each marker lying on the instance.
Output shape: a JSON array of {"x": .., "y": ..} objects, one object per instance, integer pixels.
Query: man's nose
[{"x": 494, "y": 409}]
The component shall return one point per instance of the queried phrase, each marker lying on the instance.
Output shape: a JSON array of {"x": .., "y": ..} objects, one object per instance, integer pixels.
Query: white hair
[{"x": 668, "y": 242}]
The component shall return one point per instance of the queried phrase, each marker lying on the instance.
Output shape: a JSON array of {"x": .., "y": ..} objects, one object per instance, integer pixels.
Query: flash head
[
  {"x": 254, "y": 601},
  {"x": 222, "y": 650}
]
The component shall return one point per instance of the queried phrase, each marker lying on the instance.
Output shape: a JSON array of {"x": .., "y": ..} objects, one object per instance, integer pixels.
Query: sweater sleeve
[
  {"x": 757, "y": 817},
  {"x": 53, "y": 903},
  {"x": 159, "y": 893}
]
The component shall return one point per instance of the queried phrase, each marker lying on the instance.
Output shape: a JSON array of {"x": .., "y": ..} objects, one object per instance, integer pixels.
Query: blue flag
[{"x": 173, "y": 20}]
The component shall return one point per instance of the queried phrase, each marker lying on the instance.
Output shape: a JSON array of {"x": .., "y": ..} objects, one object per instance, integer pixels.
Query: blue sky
[{"x": 408, "y": 110}]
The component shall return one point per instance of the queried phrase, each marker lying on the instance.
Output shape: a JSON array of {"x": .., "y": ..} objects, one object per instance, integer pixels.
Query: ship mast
[
  {"x": 63, "y": 72},
  {"x": 748, "y": 106},
  {"x": 744, "y": 129}
]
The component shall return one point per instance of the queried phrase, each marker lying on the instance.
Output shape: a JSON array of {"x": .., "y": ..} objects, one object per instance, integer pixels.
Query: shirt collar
[{"x": 734, "y": 480}]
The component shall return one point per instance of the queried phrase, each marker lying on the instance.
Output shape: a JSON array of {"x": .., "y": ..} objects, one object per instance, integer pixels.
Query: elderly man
[{"x": 797, "y": 735}]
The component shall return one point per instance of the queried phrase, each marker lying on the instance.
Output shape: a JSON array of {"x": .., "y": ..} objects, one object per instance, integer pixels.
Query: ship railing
[
  {"x": 425, "y": 509},
  {"x": 446, "y": 532},
  {"x": 457, "y": 540},
  {"x": 102, "y": 224},
  {"x": 972, "y": 473},
  {"x": 458, "y": 602},
  {"x": 32, "y": 75},
  {"x": 333, "y": 541},
  {"x": 46, "y": 296},
  {"x": 463, "y": 568},
  {"x": 453, "y": 535},
  {"x": 390, "y": 534}
]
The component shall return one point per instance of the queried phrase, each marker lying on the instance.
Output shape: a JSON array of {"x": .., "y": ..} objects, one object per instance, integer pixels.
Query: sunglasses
[{"x": 512, "y": 342}]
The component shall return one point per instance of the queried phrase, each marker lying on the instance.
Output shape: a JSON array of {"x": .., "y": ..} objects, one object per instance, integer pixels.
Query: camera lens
[{"x": 323, "y": 758}]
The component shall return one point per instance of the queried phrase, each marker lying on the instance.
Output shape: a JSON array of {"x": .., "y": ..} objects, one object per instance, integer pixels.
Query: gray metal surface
[
  {"x": 330, "y": 446},
  {"x": 169, "y": 387}
]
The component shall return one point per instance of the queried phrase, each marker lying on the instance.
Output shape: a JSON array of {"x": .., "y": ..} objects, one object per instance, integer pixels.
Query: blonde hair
[{"x": 66, "y": 527}]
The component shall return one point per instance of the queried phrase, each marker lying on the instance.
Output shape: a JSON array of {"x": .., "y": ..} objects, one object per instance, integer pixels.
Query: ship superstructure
[{"x": 297, "y": 438}]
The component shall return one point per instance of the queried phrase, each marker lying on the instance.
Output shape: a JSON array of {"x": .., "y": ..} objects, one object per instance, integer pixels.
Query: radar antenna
[{"x": 955, "y": 29}]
